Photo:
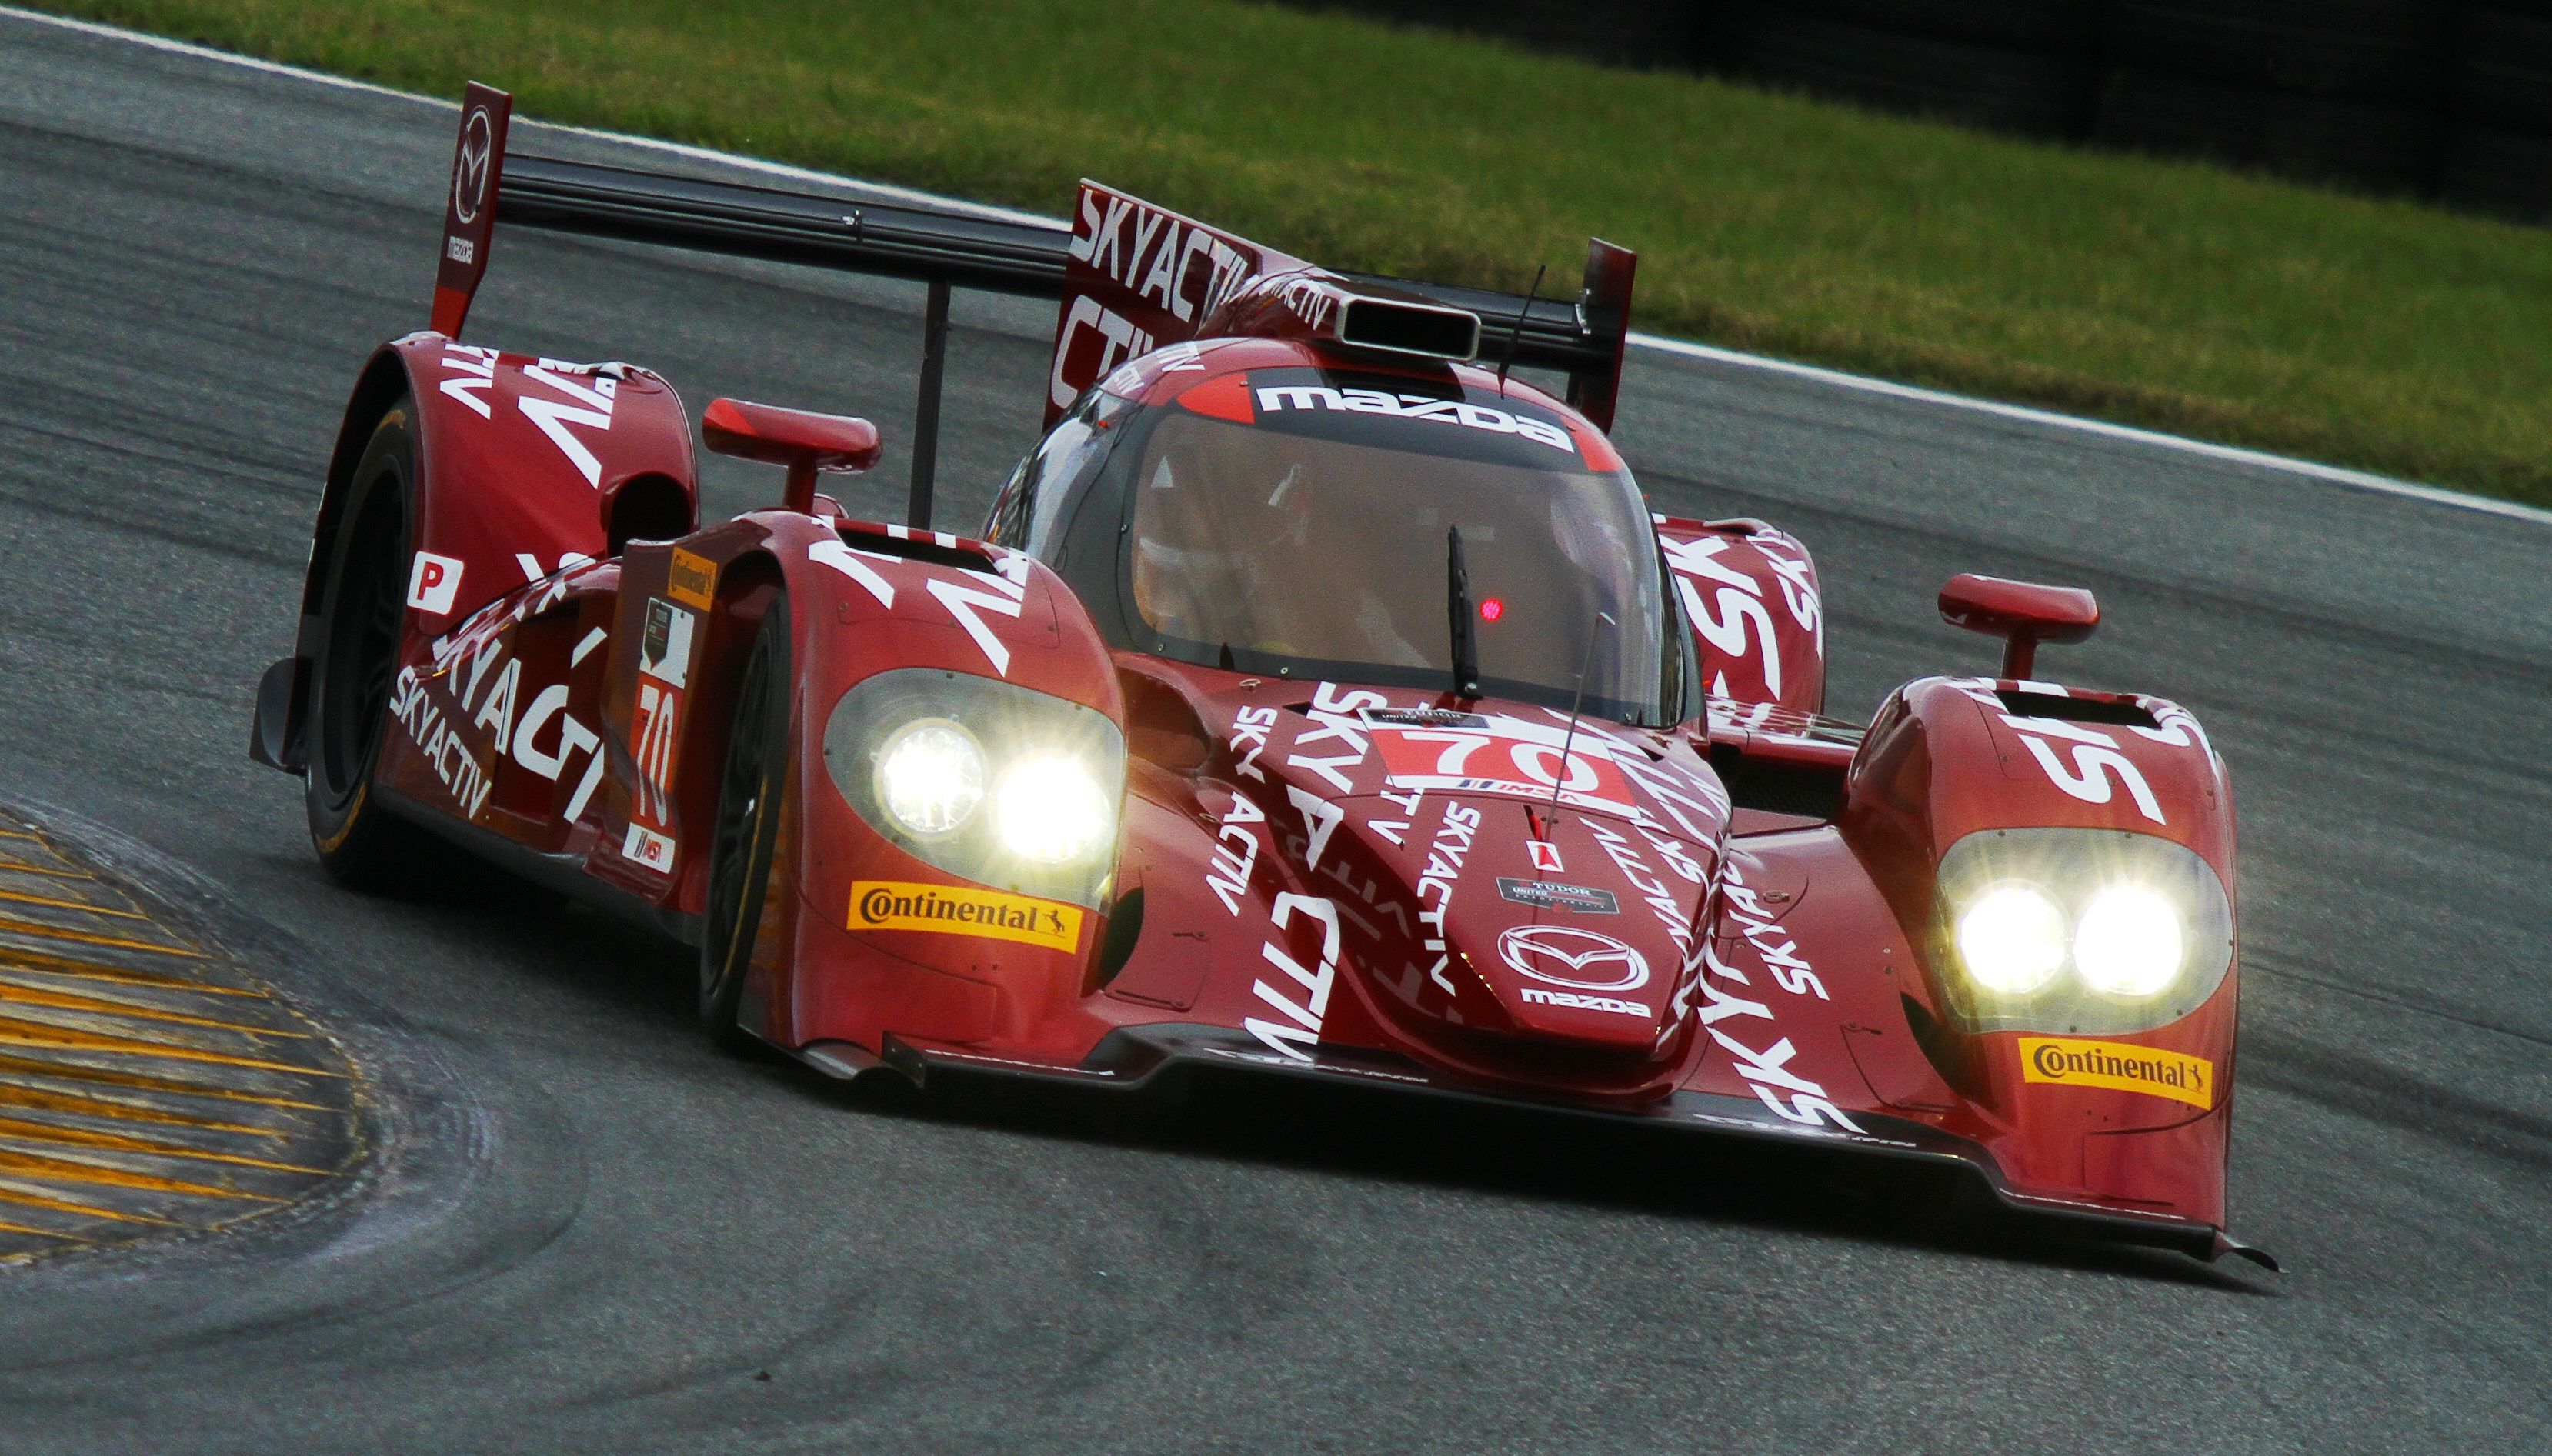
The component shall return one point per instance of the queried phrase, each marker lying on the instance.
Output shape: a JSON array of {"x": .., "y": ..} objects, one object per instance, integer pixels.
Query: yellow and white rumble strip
[{"x": 149, "y": 1085}]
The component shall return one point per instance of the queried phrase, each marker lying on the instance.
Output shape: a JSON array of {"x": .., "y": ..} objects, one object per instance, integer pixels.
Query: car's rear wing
[{"x": 1581, "y": 337}]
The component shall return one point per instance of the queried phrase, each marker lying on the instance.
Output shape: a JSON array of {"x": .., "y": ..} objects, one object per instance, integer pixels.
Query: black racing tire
[
  {"x": 363, "y": 606},
  {"x": 745, "y": 827}
]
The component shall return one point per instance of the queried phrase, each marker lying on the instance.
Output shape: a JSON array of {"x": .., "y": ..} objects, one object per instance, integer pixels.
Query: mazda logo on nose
[
  {"x": 470, "y": 177},
  {"x": 1581, "y": 960}
]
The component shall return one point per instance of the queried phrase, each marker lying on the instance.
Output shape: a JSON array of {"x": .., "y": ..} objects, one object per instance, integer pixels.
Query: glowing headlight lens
[
  {"x": 2012, "y": 938},
  {"x": 930, "y": 775},
  {"x": 2078, "y": 932},
  {"x": 2129, "y": 942},
  {"x": 1049, "y": 809}
]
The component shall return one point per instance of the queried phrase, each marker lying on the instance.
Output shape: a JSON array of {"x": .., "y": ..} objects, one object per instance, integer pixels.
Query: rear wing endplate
[{"x": 1582, "y": 337}]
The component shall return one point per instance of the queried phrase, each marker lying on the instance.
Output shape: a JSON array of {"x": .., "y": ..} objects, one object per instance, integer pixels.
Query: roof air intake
[{"x": 1410, "y": 327}]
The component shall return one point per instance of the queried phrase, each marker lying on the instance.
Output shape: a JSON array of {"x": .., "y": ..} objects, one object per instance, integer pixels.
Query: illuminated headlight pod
[
  {"x": 1012, "y": 788},
  {"x": 2090, "y": 931}
]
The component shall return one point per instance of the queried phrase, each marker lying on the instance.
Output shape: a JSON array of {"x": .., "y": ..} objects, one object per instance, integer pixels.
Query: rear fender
[
  {"x": 1947, "y": 758},
  {"x": 525, "y": 466},
  {"x": 1750, "y": 597},
  {"x": 529, "y": 464}
]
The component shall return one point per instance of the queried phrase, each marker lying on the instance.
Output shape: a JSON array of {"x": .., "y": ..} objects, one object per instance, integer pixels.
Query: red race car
[{"x": 1317, "y": 701}]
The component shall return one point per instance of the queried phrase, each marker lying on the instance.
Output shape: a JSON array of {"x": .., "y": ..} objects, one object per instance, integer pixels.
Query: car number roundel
[{"x": 1486, "y": 761}]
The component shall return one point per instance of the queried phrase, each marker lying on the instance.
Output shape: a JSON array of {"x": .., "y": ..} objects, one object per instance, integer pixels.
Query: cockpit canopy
[{"x": 1297, "y": 520}]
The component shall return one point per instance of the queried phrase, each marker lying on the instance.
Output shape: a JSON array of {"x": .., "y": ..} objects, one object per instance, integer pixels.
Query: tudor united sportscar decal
[{"x": 1551, "y": 896}]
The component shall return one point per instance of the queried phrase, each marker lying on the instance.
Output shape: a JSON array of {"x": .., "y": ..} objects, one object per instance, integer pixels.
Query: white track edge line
[
  {"x": 1862, "y": 383},
  {"x": 2230, "y": 453},
  {"x": 650, "y": 144}
]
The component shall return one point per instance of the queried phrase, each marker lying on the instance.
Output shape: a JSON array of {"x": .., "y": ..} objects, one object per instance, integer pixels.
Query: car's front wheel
[{"x": 746, "y": 829}]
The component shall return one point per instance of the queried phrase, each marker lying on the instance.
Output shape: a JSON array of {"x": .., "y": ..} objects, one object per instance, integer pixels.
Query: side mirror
[
  {"x": 801, "y": 440},
  {"x": 2022, "y": 613}
]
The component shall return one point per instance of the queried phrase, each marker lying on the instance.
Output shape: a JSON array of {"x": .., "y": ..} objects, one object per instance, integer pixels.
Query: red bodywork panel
[
  {"x": 1750, "y": 594},
  {"x": 525, "y": 463}
]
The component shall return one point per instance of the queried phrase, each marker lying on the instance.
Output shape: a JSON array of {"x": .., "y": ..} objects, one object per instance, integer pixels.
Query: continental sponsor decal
[
  {"x": 2114, "y": 1063},
  {"x": 941, "y": 909},
  {"x": 691, "y": 580}
]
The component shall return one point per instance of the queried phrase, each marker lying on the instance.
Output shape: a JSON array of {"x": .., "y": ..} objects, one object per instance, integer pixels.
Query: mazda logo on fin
[{"x": 470, "y": 179}]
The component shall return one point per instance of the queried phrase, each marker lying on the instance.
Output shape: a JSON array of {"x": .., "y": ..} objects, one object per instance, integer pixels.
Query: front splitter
[{"x": 1148, "y": 1058}]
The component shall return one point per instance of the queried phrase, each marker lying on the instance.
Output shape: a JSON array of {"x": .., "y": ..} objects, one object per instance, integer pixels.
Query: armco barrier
[{"x": 2424, "y": 97}]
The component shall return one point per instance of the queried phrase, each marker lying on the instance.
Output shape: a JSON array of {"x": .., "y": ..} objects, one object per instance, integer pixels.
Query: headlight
[
  {"x": 1006, "y": 786},
  {"x": 2128, "y": 942},
  {"x": 2078, "y": 931},
  {"x": 930, "y": 775},
  {"x": 2012, "y": 938},
  {"x": 1050, "y": 810}
]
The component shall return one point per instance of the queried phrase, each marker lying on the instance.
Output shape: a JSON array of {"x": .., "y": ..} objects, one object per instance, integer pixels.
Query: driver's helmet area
[{"x": 1295, "y": 520}]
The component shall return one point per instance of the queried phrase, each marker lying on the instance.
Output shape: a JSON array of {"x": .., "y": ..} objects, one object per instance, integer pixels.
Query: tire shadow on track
[
  {"x": 1527, "y": 1153},
  {"x": 2363, "y": 1087}
]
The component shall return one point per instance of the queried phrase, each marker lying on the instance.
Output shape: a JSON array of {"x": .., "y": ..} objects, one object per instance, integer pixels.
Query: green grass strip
[{"x": 2383, "y": 335}]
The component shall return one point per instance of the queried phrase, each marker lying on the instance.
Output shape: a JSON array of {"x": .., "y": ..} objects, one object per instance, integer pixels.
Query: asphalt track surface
[{"x": 583, "y": 1229}]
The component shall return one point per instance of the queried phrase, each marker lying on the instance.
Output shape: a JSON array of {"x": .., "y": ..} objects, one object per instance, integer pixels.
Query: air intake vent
[
  {"x": 2120, "y": 711},
  {"x": 1410, "y": 327}
]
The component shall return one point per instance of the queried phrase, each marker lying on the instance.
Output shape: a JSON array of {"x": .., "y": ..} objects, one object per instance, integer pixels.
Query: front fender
[
  {"x": 525, "y": 466},
  {"x": 1948, "y": 758},
  {"x": 866, "y": 599}
]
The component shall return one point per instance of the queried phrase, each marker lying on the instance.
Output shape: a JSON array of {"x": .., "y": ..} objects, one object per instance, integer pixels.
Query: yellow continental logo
[
  {"x": 691, "y": 580},
  {"x": 893, "y": 904},
  {"x": 2115, "y": 1064}
]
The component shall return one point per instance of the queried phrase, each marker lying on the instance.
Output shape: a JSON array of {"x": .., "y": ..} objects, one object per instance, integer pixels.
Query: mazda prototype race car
[{"x": 1319, "y": 700}]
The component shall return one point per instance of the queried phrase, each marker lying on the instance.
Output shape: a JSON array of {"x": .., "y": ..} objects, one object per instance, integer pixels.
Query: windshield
[{"x": 1314, "y": 543}]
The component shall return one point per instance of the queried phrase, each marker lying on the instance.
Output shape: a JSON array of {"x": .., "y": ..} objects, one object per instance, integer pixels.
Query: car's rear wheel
[
  {"x": 745, "y": 832},
  {"x": 362, "y": 605}
]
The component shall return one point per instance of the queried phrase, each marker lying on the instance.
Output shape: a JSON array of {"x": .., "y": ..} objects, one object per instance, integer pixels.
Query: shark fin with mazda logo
[{"x": 470, "y": 206}]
